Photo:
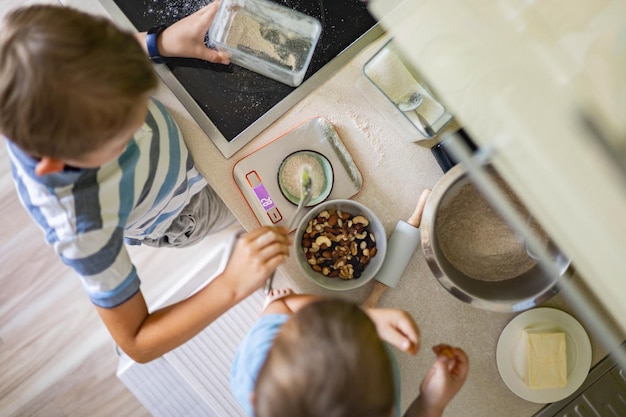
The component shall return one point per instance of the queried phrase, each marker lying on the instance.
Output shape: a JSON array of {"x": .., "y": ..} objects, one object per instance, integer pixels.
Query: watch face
[{"x": 157, "y": 29}]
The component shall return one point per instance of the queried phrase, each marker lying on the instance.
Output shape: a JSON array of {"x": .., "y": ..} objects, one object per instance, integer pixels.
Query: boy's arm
[
  {"x": 146, "y": 336},
  {"x": 185, "y": 38}
]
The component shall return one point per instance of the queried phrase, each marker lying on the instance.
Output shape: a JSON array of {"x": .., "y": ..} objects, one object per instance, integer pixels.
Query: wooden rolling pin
[{"x": 400, "y": 248}]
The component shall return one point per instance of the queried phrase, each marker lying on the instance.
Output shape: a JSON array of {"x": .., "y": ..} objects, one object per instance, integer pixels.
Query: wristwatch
[{"x": 151, "y": 42}]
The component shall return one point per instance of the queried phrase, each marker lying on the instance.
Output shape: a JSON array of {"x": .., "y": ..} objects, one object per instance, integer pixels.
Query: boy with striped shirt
[{"x": 98, "y": 164}]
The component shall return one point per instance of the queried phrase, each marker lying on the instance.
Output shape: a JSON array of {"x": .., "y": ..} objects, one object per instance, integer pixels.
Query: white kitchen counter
[{"x": 395, "y": 171}]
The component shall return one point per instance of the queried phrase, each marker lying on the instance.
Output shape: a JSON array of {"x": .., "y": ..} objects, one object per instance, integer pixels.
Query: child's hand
[
  {"x": 185, "y": 38},
  {"x": 397, "y": 328},
  {"x": 445, "y": 378},
  {"x": 256, "y": 255}
]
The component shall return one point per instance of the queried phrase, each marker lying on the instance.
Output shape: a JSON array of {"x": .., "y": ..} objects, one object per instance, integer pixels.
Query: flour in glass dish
[
  {"x": 265, "y": 40},
  {"x": 390, "y": 75}
]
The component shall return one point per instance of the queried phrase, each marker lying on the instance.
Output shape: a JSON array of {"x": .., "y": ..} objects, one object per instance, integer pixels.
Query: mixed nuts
[{"x": 338, "y": 244}]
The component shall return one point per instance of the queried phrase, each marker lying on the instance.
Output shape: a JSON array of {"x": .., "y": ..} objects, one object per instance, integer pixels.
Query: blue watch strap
[{"x": 151, "y": 42}]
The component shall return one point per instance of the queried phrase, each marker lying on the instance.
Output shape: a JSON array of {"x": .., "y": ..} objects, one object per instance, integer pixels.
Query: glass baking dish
[
  {"x": 267, "y": 38},
  {"x": 388, "y": 73}
]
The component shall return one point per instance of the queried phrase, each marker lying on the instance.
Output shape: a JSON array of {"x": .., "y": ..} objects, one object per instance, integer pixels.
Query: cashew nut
[
  {"x": 360, "y": 219},
  {"x": 323, "y": 240}
]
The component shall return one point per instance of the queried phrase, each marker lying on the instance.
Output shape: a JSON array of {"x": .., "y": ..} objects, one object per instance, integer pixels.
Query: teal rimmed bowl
[{"x": 290, "y": 174}]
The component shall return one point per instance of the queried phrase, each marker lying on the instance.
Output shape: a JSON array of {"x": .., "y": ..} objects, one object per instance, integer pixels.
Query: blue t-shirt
[
  {"x": 251, "y": 355},
  {"x": 88, "y": 214}
]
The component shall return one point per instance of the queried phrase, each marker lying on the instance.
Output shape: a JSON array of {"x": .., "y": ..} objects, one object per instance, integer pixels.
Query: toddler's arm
[
  {"x": 396, "y": 327},
  {"x": 445, "y": 378}
]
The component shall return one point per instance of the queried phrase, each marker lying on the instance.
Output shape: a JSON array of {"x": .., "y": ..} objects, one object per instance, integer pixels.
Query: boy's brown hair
[
  {"x": 69, "y": 81},
  {"x": 326, "y": 361}
]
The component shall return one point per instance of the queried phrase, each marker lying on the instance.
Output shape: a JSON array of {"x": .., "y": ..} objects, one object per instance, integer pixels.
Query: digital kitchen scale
[{"x": 256, "y": 175}]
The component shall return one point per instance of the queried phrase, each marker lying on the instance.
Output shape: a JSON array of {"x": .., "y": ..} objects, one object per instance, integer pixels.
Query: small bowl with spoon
[{"x": 320, "y": 171}]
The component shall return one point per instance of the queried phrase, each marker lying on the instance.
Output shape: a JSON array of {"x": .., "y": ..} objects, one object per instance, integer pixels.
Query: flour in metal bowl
[{"x": 477, "y": 241}]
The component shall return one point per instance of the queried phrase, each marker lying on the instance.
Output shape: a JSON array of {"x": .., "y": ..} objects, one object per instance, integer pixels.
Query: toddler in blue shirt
[{"x": 314, "y": 357}]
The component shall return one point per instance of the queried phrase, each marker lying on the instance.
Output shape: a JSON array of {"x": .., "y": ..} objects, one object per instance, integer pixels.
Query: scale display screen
[{"x": 264, "y": 198}]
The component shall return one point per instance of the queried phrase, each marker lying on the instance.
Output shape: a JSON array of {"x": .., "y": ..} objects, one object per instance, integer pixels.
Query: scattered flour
[{"x": 173, "y": 10}]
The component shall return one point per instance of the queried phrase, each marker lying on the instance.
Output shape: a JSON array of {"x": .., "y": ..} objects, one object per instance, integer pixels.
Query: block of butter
[{"x": 547, "y": 359}]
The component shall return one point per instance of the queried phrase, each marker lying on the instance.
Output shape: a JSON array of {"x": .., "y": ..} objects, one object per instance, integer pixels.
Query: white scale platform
[{"x": 257, "y": 174}]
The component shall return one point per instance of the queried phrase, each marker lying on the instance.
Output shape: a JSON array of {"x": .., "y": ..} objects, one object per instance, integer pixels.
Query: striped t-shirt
[{"x": 87, "y": 214}]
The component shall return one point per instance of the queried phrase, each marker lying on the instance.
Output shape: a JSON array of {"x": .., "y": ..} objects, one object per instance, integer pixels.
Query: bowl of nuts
[{"x": 340, "y": 245}]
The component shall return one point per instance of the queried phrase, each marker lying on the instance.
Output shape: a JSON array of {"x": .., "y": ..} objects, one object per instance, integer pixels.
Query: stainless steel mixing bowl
[{"x": 519, "y": 293}]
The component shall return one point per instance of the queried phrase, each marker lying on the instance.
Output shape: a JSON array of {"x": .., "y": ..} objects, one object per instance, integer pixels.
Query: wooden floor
[{"x": 56, "y": 357}]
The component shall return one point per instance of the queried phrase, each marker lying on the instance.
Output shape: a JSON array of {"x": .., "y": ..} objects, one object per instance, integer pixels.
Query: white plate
[{"x": 511, "y": 353}]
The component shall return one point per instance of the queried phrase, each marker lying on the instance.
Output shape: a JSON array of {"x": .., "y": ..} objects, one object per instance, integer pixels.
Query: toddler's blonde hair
[{"x": 326, "y": 361}]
